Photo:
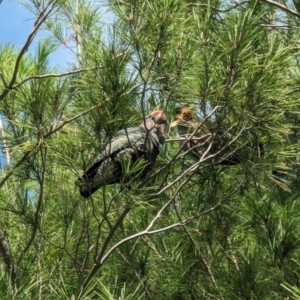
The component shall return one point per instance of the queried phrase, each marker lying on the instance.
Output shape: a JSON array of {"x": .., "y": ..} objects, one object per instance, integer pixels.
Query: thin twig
[
  {"x": 71, "y": 120},
  {"x": 99, "y": 260},
  {"x": 217, "y": 9},
  {"x": 283, "y": 7},
  {"x": 37, "y": 214},
  {"x": 52, "y": 76}
]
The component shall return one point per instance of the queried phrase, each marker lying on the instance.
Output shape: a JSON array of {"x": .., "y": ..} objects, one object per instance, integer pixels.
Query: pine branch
[
  {"x": 44, "y": 14},
  {"x": 27, "y": 153},
  {"x": 58, "y": 75}
]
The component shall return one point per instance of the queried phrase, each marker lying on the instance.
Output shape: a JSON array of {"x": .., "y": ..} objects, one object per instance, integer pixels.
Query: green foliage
[{"x": 194, "y": 228}]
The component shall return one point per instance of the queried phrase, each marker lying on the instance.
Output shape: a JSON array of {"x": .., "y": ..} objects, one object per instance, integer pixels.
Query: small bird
[
  {"x": 187, "y": 123},
  {"x": 143, "y": 141}
]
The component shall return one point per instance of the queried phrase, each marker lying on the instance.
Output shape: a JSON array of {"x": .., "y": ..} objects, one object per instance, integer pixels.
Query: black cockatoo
[
  {"x": 144, "y": 141},
  {"x": 187, "y": 122}
]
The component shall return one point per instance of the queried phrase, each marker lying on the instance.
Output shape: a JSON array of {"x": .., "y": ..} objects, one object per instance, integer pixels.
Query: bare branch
[
  {"x": 3, "y": 80},
  {"x": 52, "y": 76},
  {"x": 275, "y": 26},
  {"x": 99, "y": 260},
  {"x": 147, "y": 231},
  {"x": 188, "y": 136},
  {"x": 283, "y": 7},
  {"x": 97, "y": 266},
  {"x": 217, "y": 9},
  {"x": 7, "y": 256}
]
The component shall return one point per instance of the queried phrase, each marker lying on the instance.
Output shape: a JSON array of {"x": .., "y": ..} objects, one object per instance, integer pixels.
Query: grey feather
[{"x": 133, "y": 143}]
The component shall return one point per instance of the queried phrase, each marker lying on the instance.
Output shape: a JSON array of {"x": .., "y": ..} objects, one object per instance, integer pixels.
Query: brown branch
[
  {"x": 217, "y": 9},
  {"x": 140, "y": 234},
  {"x": 52, "y": 76},
  {"x": 281, "y": 6},
  {"x": 184, "y": 137},
  {"x": 37, "y": 214},
  {"x": 57, "y": 75},
  {"x": 151, "y": 232},
  {"x": 3, "y": 80},
  {"x": 100, "y": 259},
  {"x": 7, "y": 256},
  {"x": 275, "y": 26}
]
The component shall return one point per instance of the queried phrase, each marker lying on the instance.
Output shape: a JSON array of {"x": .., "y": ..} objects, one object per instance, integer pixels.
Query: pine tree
[{"x": 193, "y": 228}]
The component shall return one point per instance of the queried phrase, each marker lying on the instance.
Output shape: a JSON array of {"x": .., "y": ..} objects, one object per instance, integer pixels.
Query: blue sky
[{"x": 15, "y": 25}]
